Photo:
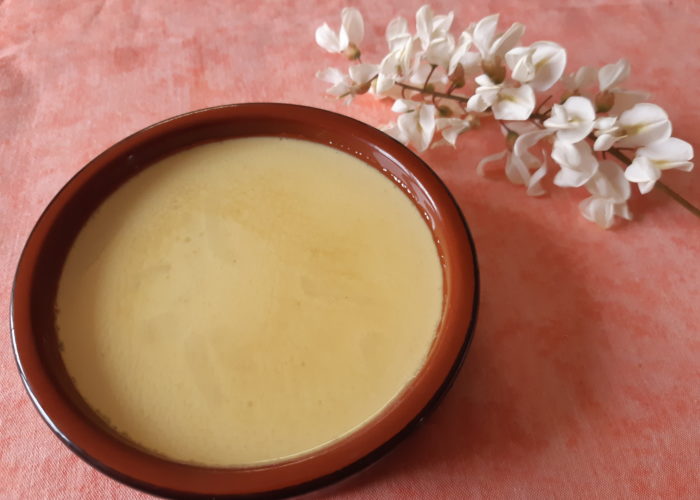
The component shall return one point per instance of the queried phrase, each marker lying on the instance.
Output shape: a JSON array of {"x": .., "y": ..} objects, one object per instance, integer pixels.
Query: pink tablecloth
[{"x": 584, "y": 376}]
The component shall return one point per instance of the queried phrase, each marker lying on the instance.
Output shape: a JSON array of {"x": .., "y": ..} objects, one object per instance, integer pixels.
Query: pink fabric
[{"x": 584, "y": 376}]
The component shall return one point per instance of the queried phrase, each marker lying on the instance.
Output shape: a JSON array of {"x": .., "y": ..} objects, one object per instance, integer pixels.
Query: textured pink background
[{"x": 584, "y": 376}]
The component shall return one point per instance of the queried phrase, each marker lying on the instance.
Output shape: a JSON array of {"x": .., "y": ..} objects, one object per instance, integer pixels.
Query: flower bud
[
  {"x": 457, "y": 77},
  {"x": 445, "y": 111},
  {"x": 473, "y": 121},
  {"x": 604, "y": 101},
  {"x": 494, "y": 69},
  {"x": 511, "y": 137},
  {"x": 352, "y": 52},
  {"x": 362, "y": 89}
]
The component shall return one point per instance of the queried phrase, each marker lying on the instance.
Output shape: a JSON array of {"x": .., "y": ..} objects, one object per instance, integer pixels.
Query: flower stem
[
  {"x": 459, "y": 98},
  {"x": 677, "y": 197},
  {"x": 427, "y": 79},
  {"x": 659, "y": 185}
]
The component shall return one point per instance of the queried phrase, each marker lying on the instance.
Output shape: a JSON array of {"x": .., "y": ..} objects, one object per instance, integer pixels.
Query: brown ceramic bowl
[{"x": 32, "y": 316}]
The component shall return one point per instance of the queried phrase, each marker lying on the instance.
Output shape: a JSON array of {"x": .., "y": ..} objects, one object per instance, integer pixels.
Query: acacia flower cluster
[{"x": 587, "y": 127}]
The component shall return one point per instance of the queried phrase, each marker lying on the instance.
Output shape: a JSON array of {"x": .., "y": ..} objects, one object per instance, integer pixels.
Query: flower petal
[
  {"x": 609, "y": 182},
  {"x": 477, "y": 103},
  {"x": 363, "y": 72},
  {"x": 577, "y": 163},
  {"x": 394, "y": 131},
  {"x": 327, "y": 38},
  {"x": 331, "y": 75},
  {"x": 384, "y": 84},
  {"x": 403, "y": 105},
  {"x": 567, "y": 177},
  {"x": 408, "y": 126},
  {"x": 669, "y": 151},
  {"x": 520, "y": 61},
  {"x": 442, "y": 24},
  {"x": 439, "y": 51},
  {"x": 516, "y": 171},
  {"x": 507, "y": 40},
  {"x": 451, "y": 128},
  {"x": 514, "y": 103},
  {"x": 580, "y": 107},
  {"x": 352, "y": 23},
  {"x": 549, "y": 60},
  {"x": 484, "y": 33},
  {"x": 460, "y": 51},
  {"x": 604, "y": 142},
  {"x": 426, "y": 117},
  {"x": 642, "y": 172},
  {"x": 584, "y": 77},
  {"x": 481, "y": 166},
  {"x": 598, "y": 210},
  {"x": 424, "y": 24},
  {"x": 534, "y": 186},
  {"x": 606, "y": 122},
  {"x": 527, "y": 140},
  {"x": 514, "y": 55},
  {"x": 396, "y": 28},
  {"x": 622, "y": 210},
  {"x": 644, "y": 123},
  {"x": 613, "y": 74},
  {"x": 558, "y": 119}
]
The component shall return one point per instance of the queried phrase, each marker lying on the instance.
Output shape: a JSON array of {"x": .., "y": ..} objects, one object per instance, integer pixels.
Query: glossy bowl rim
[{"x": 381, "y": 447}]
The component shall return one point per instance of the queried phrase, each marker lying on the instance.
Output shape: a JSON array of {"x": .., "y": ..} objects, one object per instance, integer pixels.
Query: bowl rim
[{"x": 34, "y": 377}]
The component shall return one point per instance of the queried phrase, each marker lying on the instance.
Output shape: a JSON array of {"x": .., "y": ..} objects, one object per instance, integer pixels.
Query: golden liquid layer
[{"x": 248, "y": 300}]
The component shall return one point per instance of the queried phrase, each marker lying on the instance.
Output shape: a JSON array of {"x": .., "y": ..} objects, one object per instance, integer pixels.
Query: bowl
[{"x": 37, "y": 349}]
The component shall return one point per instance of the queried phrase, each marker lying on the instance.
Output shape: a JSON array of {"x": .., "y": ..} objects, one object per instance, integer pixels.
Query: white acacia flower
[
  {"x": 399, "y": 61},
  {"x": 573, "y": 120},
  {"x": 489, "y": 43},
  {"x": 419, "y": 75},
  {"x": 439, "y": 51},
  {"x": 651, "y": 160},
  {"x": 611, "y": 75},
  {"x": 540, "y": 65},
  {"x": 470, "y": 61},
  {"x": 348, "y": 38},
  {"x": 521, "y": 150},
  {"x": 451, "y": 128},
  {"x": 609, "y": 194},
  {"x": 347, "y": 86},
  {"x": 520, "y": 162},
  {"x": 643, "y": 124},
  {"x": 415, "y": 125},
  {"x": 516, "y": 171},
  {"x": 340, "y": 82},
  {"x": 430, "y": 27},
  {"x": 584, "y": 77},
  {"x": 577, "y": 163},
  {"x": 507, "y": 103},
  {"x": 607, "y": 132},
  {"x": 397, "y": 33}
]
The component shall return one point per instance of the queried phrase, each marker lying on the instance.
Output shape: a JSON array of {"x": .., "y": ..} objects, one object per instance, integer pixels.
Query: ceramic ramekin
[{"x": 32, "y": 316}]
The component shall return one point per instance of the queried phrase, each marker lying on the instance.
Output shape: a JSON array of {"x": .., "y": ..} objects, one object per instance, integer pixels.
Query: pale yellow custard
[{"x": 248, "y": 300}]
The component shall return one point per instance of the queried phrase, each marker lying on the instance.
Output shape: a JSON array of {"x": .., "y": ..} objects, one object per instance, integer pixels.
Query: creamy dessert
[{"x": 249, "y": 300}]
